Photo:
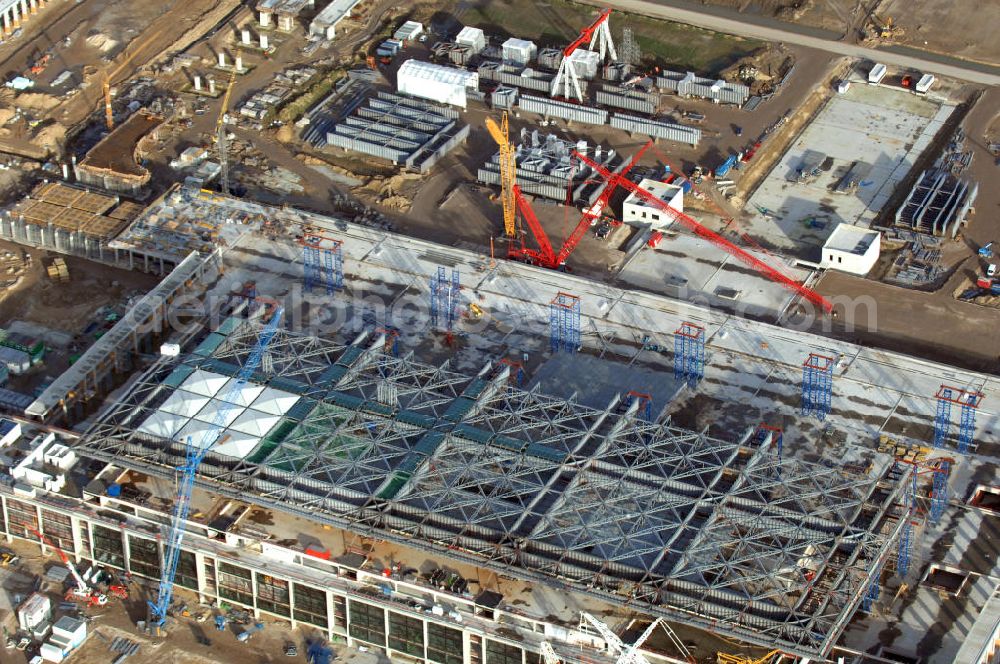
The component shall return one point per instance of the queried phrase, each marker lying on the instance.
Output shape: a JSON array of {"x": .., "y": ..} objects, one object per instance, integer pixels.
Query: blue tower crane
[{"x": 194, "y": 453}]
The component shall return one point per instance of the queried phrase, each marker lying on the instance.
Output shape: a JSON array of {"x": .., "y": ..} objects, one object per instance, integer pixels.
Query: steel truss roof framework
[{"x": 673, "y": 522}]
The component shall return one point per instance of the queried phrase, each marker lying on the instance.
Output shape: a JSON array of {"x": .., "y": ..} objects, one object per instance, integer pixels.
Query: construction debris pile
[{"x": 919, "y": 260}]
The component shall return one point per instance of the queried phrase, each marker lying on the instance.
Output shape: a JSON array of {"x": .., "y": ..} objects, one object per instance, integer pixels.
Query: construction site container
[
  {"x": 519, "y": 51},
  {"x": 528, "y": 79},
  {"x": 560, "y": 109},
  {"x": 16, "y": 361},
  {"x": 474, "y": 38},
  {"x": 690, "y": 85},
  {"x": 408, "y": 31},
  {"x": 925, "y": 83},
  {"x": 585, "y": 63},
  {"x": 446, "y": 85},
  {"x": 550, "y": 58},
  {"x": 504, "y": 98},
  {"x": 876, "y": 74}
]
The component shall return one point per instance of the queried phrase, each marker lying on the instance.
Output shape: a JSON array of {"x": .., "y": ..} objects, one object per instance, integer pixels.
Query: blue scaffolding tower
[
  {"x": 969, "y": 403},
  {"x": 444, "y": 299},
  {"x": 322, "y": 262},
  {"x": 939, "y": 499},
  {"x": 564, "y": 323},
  {"x": 942, "y": 419},
  {"x": 967, "y": 428},
  {"x": 817, "y": 385},
  {"x": 516, "y": 372},
  {"x": 909, "y": 513},
  {"x": 645, "y": 403},
  {"x": 873, "y": 591},
  {"x": 689, "y": 353},
  {"x": 776, "y": 434}
]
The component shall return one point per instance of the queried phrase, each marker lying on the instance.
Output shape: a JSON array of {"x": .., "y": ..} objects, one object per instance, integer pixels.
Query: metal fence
[
  {"x": 656, "y": 129},
  {"x": 560, "y": 109},
  {"x": 640, "y": 102},
  {"x": 528, "y": 79}
]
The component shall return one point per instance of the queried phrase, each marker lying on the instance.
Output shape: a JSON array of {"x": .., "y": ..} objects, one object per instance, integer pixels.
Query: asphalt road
[{"x": 766, "y": 29}]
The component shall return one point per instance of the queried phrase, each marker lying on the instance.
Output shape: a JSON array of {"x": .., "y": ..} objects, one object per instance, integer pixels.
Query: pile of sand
[{"x": 101, "y": 42}]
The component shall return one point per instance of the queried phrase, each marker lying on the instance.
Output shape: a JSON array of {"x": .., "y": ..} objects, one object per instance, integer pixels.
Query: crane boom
[
  {"x": 195, "y": 452},
  {"x": 109, "y": 117},
  {"x": 81, "y": 585},
  {"x": 588, "y": 34},
  {"x": 715, "y": 238},
  {"x": 508, "y": 172}
]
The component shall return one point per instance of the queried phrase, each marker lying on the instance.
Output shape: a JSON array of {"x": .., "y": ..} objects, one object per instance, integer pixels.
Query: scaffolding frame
[
  {"x": 322, "y": 262},
  {"x": 564, "y": 323},
  {"x": 444, "y": 298},
  {"x": 601, "y": 503},
  {"x": 689, "y": 353},
  {"x": 968, "y": 401},
  {"x": 817, "y": 385}
]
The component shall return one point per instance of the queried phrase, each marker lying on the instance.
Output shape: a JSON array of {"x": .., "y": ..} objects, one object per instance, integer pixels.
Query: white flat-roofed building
[
  {"x": 445, "y": 85},
  {"x": 851, "y": 249},
  {"x": 638, "y": 211}
]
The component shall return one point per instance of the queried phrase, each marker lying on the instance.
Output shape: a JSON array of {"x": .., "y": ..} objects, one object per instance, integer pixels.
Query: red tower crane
[{"x": 713, "y": 237}]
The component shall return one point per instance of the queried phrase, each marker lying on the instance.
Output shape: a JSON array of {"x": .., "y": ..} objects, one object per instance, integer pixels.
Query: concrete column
[
  {"x": 6, "y": 519},
  {"x": 15, "y": 16},
  {"x": 33, "y": 6},
  {"x": 222, "y": 58},
  {"x": 24, "y": 8},
  {"x": 265, "y": 19},
  {"x": 246, "y": 36},
  {"x": 284, "y": 23},
  {"x": 239, "y": 63},
  {"x": 211, "y": 86},
  {"x": 263, "y": 42},
  {"x": 197, "y": 82},
  {"x": 6, "y": 23}
]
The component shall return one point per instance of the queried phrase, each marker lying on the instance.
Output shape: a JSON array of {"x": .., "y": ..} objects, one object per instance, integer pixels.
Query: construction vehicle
[
  {"x": 82, "y": 591},
  {"x": 629, "y": 654},
  {"x": 220, "y": 623},
  {"x": 885, "y": 29},
  {"x": 725, "y": 658},
  {"x": 8, "y": 557},
  {"x": 245, "y": 635},
  {"x": 109, "y": 117},
  {"x": 598, "y": 33},
  {"x": 986, "y": 251},
  {"x": 195, "y": 451}
]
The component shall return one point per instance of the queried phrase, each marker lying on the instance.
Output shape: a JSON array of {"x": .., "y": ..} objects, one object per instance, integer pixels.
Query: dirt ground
[
  {"x": 956, "y": 29},
  {"x": 87, "y": 38},
  {"x": 64, "y": 308}
]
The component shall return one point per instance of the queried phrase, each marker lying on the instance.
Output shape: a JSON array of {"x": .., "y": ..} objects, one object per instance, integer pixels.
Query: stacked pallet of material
[{"x": 58, "y": 270}]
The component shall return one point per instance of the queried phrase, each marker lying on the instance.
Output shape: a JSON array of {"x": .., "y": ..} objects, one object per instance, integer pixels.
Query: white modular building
[
  {"x": 474, "y": 38},
  {"x": 409, "y": 31},
  {"x": 638, "y": 211},
  {"x": 851, "y": 249},
  {"x": 445, "y": 85},
  {"x": 585, "y": 63},
  {"x": 877, "y": 73},
  {"x": 519, "y": 51},
  {"x": 925, "y": 83}
]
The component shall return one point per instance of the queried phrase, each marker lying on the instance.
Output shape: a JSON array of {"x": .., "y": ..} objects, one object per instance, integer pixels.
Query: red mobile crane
[
  {"x": 82, "y": 591},
  {"x": 711, "y": 236},
  {"x": 545, "y": 255}
]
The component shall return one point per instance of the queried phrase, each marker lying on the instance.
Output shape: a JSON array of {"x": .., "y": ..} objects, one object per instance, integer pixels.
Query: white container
[
  {"x": 925, "y": 83},
  {"x": 843, "y": 87},
  {"x": 877, "y": 73},
  {"x": 170, "y": 350},
  {"x": 474, "y": 38},
  {"x": 445, "y": 85},
  {"x": 519, "y": 51}
]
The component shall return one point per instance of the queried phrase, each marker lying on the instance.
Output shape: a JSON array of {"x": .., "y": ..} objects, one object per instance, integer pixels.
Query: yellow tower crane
[
  {"x": 508, "y": 172},
  {"x": 220, "y": 135},
  {"x": 109, "y": 117}
]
